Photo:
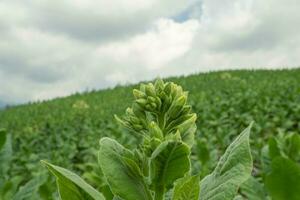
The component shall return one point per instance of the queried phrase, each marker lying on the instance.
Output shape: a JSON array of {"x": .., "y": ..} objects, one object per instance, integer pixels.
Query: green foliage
[
  {"x": 71, "y": 186},
  {"x": 253, "y": 189},
  {"x": 233, "y": 169},
  {"x": 281, "y": 166},
  {"x": 121, "y": 171},
  {"x": 65, "y": 131},
  {"x": 169, "y": 161},
  {"x": 5, "y": 155},
  {"x": 31, "y": 189},
  {"x": 284, "y": 180},
  {"x": 187, "y": 188},
  {"x": 160, "y": 118},
  {"x": 160, "y": 110},
  {"x": 2, "y": 138},
  {"x": 161, "y": 163}
]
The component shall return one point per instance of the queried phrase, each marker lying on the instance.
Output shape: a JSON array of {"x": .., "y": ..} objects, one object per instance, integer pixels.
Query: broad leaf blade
[
  {"x": 169, "y": 162},
  {"x": 252, "y": 189},
  {"x": 187, "y": 188},
  {"x": 233, "y": 169},
  {"x": 121, "y": 172},
  {"x": 71, "y": 186},
  {"x": 284, "y": 180}
]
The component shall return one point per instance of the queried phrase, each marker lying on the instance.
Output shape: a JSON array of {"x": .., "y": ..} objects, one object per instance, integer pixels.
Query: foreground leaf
[
  {"x": 169, "y": 162},
  {"x": 252, "y": 189},
  {"x": 187, "y": 188},
  {"x": 284, "y": 180},
  {"x": 71, "y": 186},
  {"x": 233, "y": 169},
  {"x": 122, "y": 173}
]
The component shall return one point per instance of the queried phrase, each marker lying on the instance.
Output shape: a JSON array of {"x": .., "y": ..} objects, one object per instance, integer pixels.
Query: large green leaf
[
  {"x": 122, "y": 173},
  {"x": 232, "y": 170},
  {"x": 169, "y": 161},
  {"x": 284, "y": 180},
  {"x": 71, "y": 186},
  {"x": 187, "y": 188},
  {"x": 252, "y": 189}
]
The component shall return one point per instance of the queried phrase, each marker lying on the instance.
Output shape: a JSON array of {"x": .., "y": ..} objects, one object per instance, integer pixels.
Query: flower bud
[
  {"x": 159, "y": 84},
  {"x": 143, "y": 87},
  {"x": 186, "y": 109},
  {"x": 138, "y": 94},
  {"x": 153, "y": 105},
  {"x": 149, "y": 107},
  {"x": 155, "y": 131},
  {"x": 129, "y": 112},
  {"x": 134, "y": 120},
  {"x": 151, "y": 99},
  {"x": 177, "y": 107},
  {"x": 158, "y": 103},
  {"x": 122, "y": 122},
  {"x": 138, "y": 110},
  {"x": 167, "y": 88},
  {"x": 150, "y": 90},
  {"x": 187, "y": 123},
  {"x": 141, "y": 102}
]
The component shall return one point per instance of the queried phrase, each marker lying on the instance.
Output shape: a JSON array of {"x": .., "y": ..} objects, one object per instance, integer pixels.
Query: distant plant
[
  {"x": 281, "y": 168},
  {"x": 9, "y": 187},
  {"x": 159, "y": 167}
]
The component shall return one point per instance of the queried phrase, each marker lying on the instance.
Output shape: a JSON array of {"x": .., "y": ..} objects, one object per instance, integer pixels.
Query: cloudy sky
[{"x": 54, "y": 48}]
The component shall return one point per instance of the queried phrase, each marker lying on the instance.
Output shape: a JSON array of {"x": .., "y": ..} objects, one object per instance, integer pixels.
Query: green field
[{"x": 66, "y": 131}]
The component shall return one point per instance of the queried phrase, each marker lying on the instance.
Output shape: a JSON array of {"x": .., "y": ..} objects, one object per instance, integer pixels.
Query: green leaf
[
  {"x": 2, "y": 138},
  {"x": 293, "y": 146},
  {"x": 30, "y": 188},
  {"x": 9, "y": 187},
  {"x": 252, "y": 189},
  {"x": 265, "y": 159},
  {"x": 203, "y": 151},
  {"x": 6, "y": 156},
  {"x": 274, "y": 150},
  {"x": 169, "y": 161},
  {"x": 284, "y": 180},
  {"x": 232, "y": 170},
  {"x": 187, "y": 188},
  {"x": 122, "y": 173},
  {"x": 238, "y": 197},
  {"x": 71, "y": 186}
]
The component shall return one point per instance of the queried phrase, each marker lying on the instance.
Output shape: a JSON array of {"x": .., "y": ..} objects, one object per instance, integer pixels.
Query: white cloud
[
  {"x": 91, "y": 20},
  {"x": 50, "y": 49},
  {"x": 156, "y": 48},
  {"x": 245, "y": 34}
]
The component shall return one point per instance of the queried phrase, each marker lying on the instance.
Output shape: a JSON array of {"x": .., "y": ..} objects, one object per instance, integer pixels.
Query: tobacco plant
[{"x": 159, "y": 167}]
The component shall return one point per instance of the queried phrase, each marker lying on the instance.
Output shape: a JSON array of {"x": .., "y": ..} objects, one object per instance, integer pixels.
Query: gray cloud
[
  {"x": 104, "y": 21},
  {"x": 50, "y": 49}
]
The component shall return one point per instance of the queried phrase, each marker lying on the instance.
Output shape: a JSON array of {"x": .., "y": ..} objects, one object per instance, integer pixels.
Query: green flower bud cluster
[{"x": 159, "y": 111}]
